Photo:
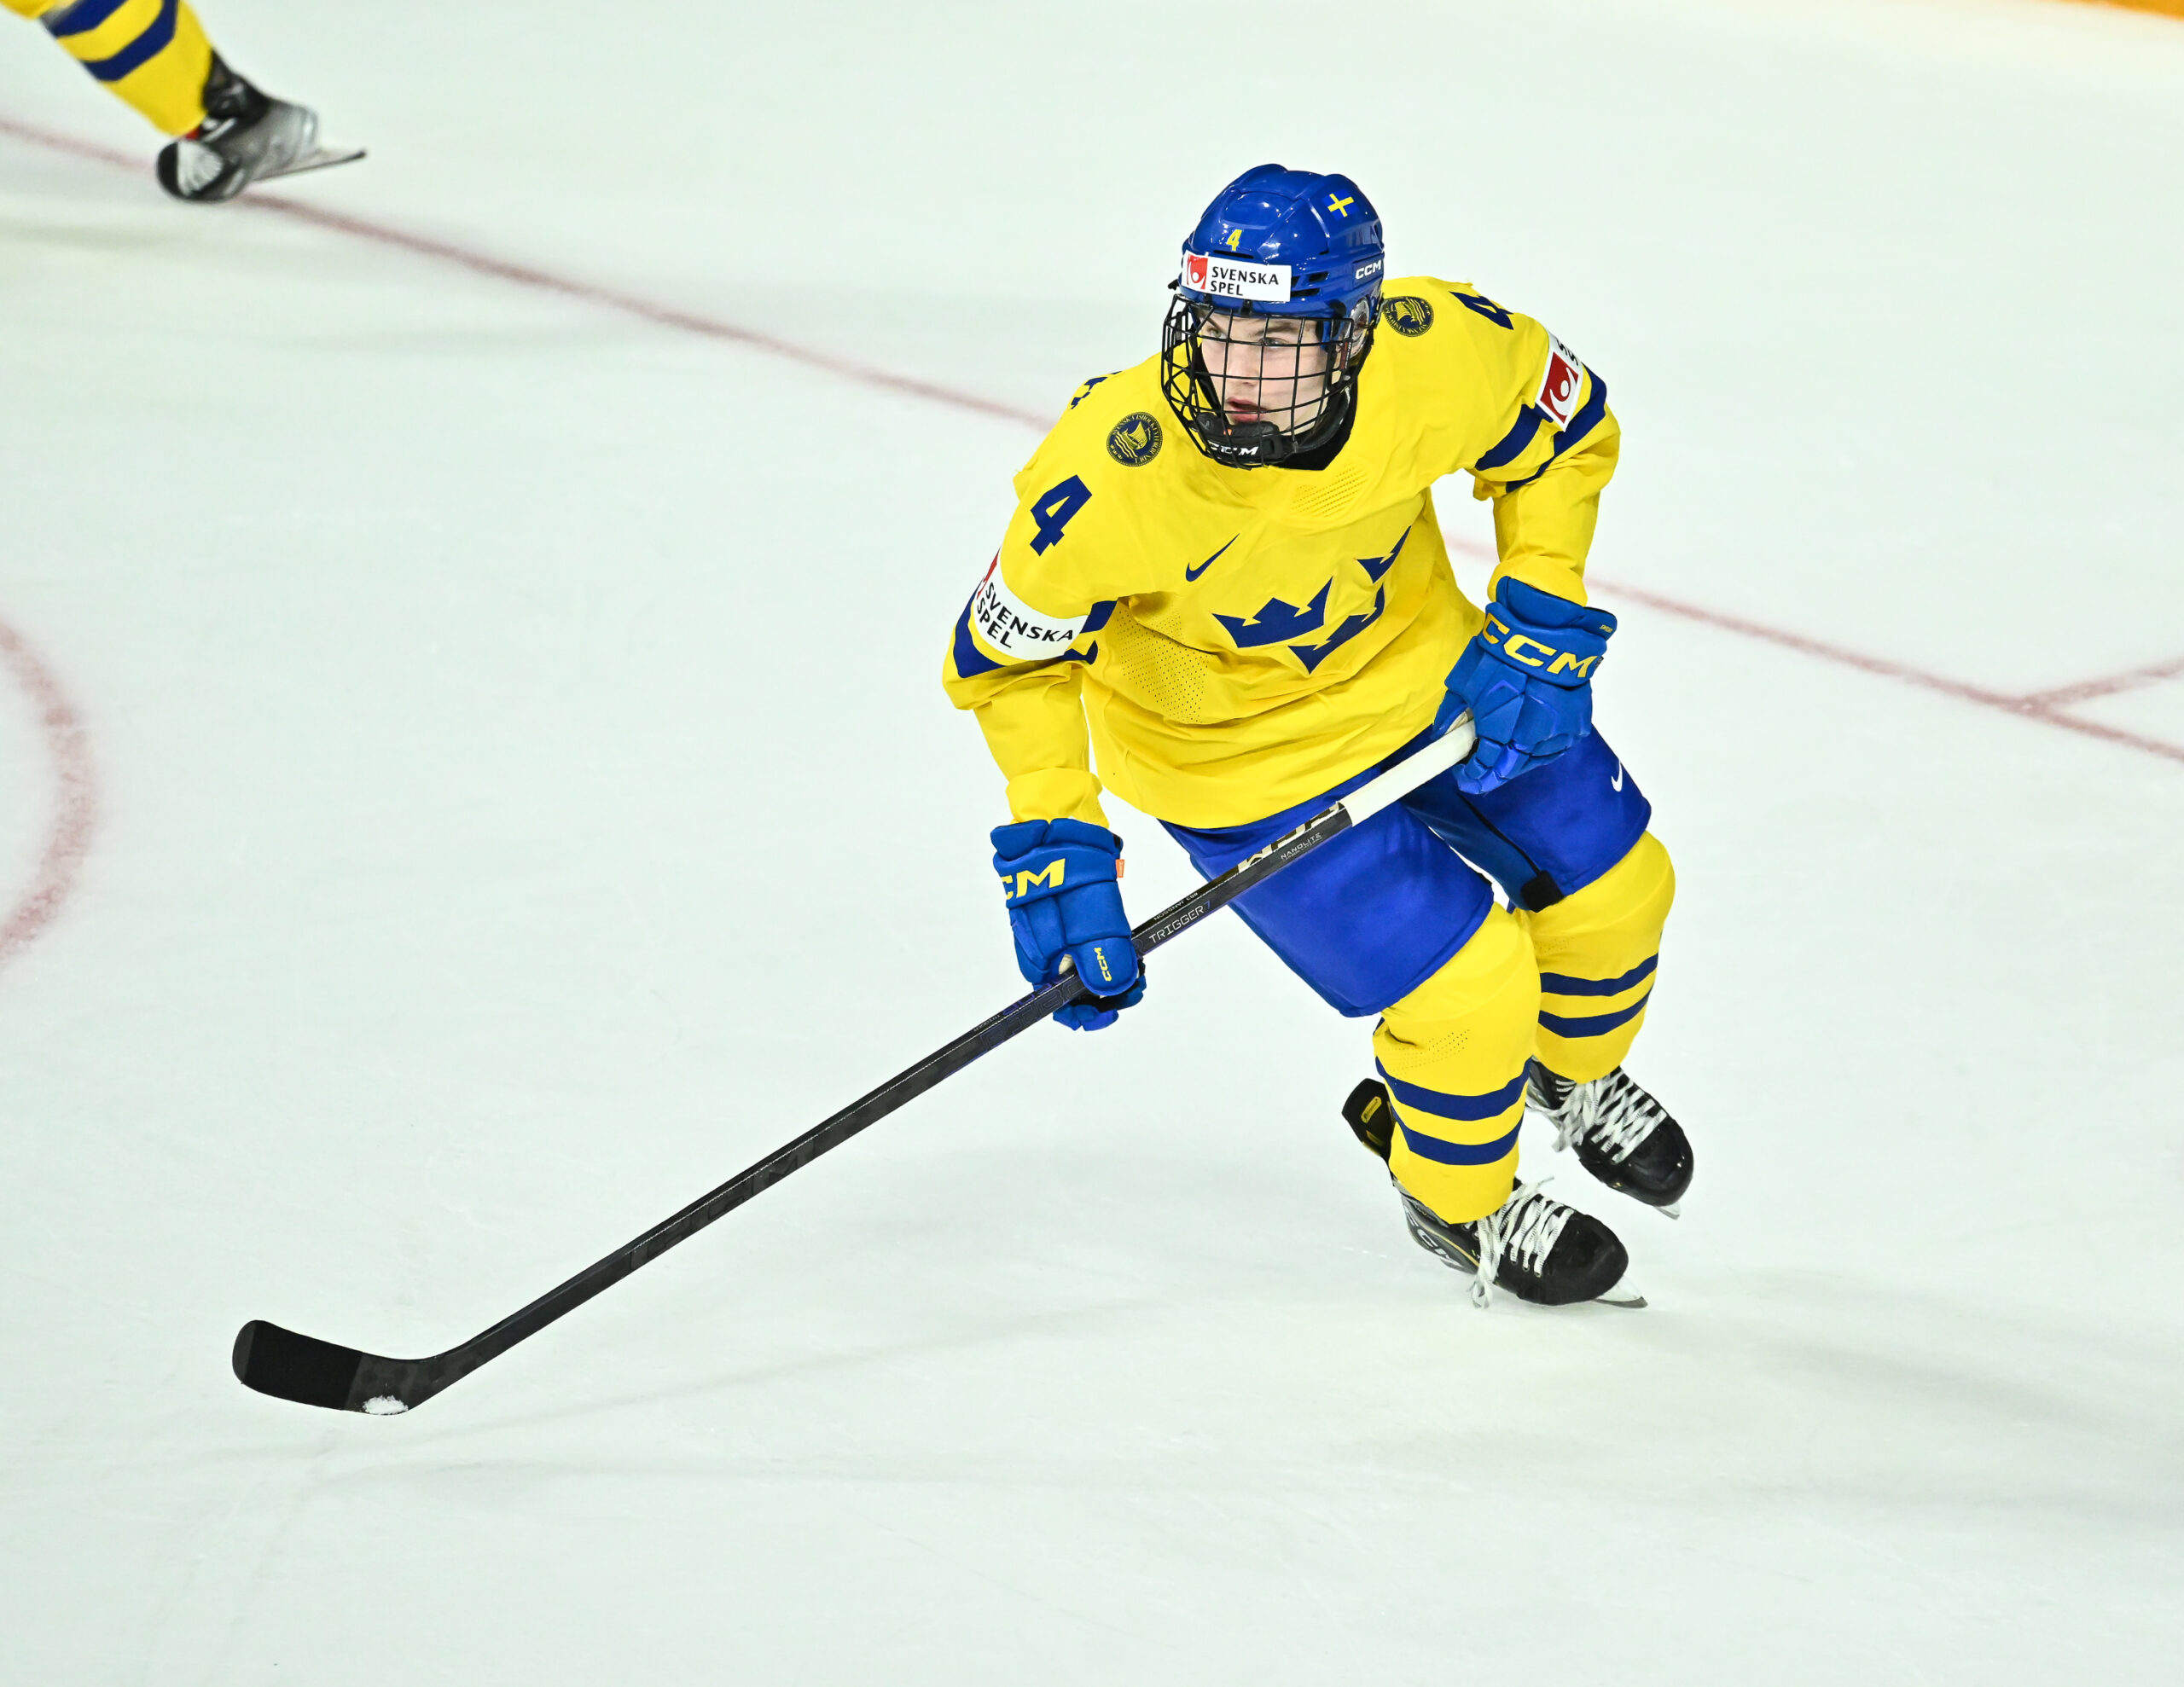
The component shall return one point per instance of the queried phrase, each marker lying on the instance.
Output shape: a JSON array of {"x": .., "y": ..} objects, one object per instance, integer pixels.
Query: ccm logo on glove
[
  {"x": 1050, "y": 876},
  {"x": 1525, "y": 648},
  {"x": 1527, "y": 680}
]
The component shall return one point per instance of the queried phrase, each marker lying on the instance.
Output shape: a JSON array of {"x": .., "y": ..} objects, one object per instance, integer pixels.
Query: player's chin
[{"x": 1282, "y": 421}]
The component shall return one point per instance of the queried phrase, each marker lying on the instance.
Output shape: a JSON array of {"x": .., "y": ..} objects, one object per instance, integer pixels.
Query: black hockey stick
[{"x": 302, "y": 1368}]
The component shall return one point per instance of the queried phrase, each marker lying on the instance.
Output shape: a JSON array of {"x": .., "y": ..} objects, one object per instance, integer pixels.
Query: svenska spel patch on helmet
[{"x": 1229, "y": 278}]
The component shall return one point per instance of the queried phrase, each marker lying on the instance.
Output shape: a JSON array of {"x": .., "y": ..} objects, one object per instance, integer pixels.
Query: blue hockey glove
[
  {"x": 1060, "y": 880},
  {"x": 1527, "y": 679}
]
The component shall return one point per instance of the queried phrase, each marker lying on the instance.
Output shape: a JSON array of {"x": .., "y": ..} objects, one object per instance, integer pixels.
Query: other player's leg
[{"x": 154, "y": 55}]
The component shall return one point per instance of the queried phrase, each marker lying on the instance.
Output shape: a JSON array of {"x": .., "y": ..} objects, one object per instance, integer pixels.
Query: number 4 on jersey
[{"x": 1052, "y": 509}]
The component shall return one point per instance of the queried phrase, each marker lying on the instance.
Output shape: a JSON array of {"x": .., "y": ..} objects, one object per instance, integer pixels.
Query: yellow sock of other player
[
  {"x": 1452, "y": 1054},
  {"x": 152, "y": 52},
  {"x": 1597, "y": 950}
]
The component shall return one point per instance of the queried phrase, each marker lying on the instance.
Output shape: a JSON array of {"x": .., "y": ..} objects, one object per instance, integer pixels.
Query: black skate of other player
[{"x": 246, "y": 136}]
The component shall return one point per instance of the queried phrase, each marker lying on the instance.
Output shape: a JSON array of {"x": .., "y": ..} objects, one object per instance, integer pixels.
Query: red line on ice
[
  {"x": 2132, "y": 679},
  {"x": 2043, "y": 706},
  {"x": 75, "y": 797},
  {"x": 525, "y": 275}
]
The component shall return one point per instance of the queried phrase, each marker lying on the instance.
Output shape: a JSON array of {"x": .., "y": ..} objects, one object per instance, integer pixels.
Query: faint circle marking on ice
[
  {"x": 384, "y": 1406},
  {"x": 75, "y": 796}
]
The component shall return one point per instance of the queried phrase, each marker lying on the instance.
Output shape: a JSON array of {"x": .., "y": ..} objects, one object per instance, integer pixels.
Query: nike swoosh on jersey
[
  {"x": 1615, "y": 784},
  {"x": 1190, "y": 573}
]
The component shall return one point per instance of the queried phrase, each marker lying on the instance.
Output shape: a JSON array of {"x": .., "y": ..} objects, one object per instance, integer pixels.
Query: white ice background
[{"x": 526, "y": 797}]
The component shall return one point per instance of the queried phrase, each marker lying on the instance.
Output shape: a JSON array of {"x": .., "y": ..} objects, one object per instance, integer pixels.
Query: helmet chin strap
[{"x": 1263, "y": 443}]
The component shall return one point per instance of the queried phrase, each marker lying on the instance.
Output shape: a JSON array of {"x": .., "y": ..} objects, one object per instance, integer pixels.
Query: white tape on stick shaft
[{"x": 1412, "y": 771}]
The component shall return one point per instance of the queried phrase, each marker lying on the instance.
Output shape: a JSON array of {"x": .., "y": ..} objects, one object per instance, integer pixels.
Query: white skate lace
[
  {"x": 1618, "y": 1116},
  {"x": 195, "y": 165},
  {"x": 1525, "y": 1229}
]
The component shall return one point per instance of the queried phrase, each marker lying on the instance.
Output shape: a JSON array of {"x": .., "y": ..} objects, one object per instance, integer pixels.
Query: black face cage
[{"x": 1289, "y": 410}]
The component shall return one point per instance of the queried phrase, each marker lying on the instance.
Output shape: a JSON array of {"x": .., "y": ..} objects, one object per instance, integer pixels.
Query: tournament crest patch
[
  {"x": 1408, "y": 315},
  {"x": 1136, "y": 440}
]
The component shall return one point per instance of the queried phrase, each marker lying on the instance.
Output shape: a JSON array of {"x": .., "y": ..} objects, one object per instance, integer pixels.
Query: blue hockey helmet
[{"x": 1280, "y": 244}]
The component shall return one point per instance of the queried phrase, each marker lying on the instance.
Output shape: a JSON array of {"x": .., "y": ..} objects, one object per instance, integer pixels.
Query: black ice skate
[
  {"x": 246, "y": 136},
  {"x": 1535, "y": 1247},
  {"x": 1623, "y": 1136}
]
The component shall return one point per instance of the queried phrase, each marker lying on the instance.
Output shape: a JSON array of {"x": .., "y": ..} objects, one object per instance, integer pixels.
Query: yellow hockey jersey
[{"x": 1241, "y": 640}]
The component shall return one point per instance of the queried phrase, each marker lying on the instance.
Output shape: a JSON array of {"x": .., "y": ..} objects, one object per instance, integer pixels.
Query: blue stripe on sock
[
  {"x": 155, "y": 39},
  {"x": 1562, "y": 984},
  {"x": 1443, "y": 1106},
  {"x": 1459, "y": 1153},
  {"x": 81, "y": 17},
  {"x": 1599, "y": 1024}
]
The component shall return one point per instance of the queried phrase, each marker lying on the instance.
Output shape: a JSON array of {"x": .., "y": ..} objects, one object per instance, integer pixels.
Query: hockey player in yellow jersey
[
  {"x": 154, "y": 55},
  {"x": 1225, "y": 588}
]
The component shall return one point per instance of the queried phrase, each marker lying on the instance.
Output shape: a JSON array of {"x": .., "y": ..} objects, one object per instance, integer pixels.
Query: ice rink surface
[{"x": 523, "y": 796}]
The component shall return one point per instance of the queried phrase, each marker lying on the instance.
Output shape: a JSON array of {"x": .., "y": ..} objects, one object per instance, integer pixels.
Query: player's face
[{"x": 1266, "y": 369}]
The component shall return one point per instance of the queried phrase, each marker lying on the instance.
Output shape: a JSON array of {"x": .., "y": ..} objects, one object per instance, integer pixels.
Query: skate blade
[
  {"x": 319, "y": 158},
  {"x": 1673, "y": 1210},
  {"x": 1629, "y": 1302}
]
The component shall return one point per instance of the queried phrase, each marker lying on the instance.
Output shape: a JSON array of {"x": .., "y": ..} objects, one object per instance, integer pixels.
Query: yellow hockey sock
[
  {"x": 1452, "y": 1054},
  {"x": 153, "y": 54},
  {"x": 1597, "y": 950}
]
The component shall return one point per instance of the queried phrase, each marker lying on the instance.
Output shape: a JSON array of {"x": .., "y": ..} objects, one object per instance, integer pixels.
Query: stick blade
[{"x": 301, "y": 1368}]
